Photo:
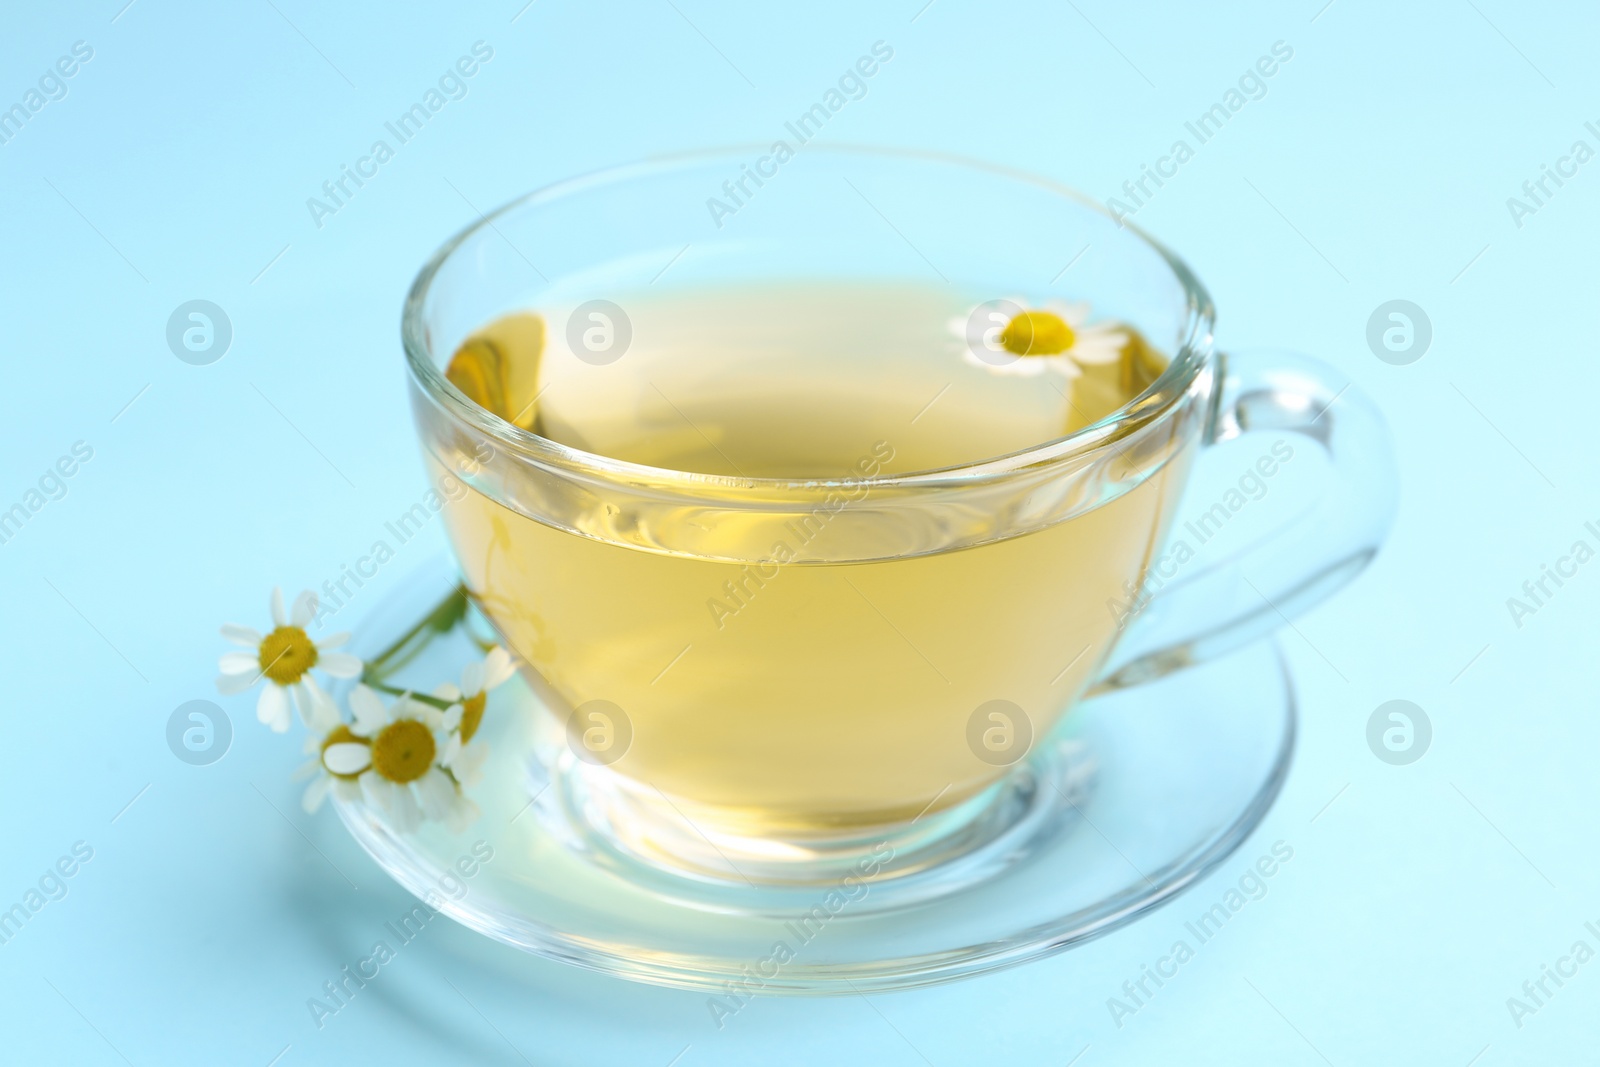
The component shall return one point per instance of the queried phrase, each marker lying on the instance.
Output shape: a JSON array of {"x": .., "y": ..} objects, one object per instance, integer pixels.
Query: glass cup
[{"x": 903, "y": 646}]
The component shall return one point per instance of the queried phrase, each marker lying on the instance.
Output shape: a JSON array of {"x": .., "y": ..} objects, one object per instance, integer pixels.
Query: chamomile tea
[{"x": 801, "y": 671}]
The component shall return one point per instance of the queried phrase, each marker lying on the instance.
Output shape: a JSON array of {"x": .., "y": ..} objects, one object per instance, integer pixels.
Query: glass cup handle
[{"x": 1237, "y": 600}]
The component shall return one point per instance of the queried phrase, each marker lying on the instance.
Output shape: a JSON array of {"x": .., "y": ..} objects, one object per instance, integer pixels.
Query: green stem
[
  {"x": 425, "y": 698},
  {"x": 443, "y": 618}
]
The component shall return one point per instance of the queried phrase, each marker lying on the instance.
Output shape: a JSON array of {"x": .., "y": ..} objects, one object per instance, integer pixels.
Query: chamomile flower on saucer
[
  {"x": 461, "y": 755},
  {"x": 283, "y": 658},
  {"x": 403, "y": 778},
  {"x": 339, "y": 758},
  {"x": 1007, "y": 337}
]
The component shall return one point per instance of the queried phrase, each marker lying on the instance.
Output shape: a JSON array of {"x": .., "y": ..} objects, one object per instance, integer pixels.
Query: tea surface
[{"x": 796, "y": 381}]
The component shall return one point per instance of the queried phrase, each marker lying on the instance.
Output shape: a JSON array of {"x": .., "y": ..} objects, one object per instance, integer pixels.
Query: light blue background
[{"x": 178, "y": 167}]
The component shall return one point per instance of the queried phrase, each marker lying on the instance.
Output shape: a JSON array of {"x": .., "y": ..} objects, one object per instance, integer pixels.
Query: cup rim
[{"x": 1162, "y": 397}]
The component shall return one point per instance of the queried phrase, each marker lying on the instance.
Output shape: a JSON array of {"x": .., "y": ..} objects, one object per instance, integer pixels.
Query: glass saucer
[{"x": 1135, "y": 797}]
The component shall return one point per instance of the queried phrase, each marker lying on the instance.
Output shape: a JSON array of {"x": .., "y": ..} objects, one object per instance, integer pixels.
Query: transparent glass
[
  {"x": 1137, "y": 796},
  {"x": 859, "y": 716}
]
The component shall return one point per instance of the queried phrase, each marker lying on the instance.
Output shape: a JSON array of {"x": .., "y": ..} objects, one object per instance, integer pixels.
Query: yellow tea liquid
[{"x": 792, "y": 697}]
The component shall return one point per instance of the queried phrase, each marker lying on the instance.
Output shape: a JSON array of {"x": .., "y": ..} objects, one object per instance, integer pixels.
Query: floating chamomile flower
[
  {"x": 461, "y": 755},
  {"x": 402, "y": 777},
  {"x": 1028, "y": 342},
  {"x": 284, "y": 659}
]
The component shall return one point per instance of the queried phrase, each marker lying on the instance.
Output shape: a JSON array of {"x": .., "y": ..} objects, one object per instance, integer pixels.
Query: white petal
[
  {"x": 396, "y": 802},
  {"x": 302, "y": 699},
  {"x": 407, "y": 708},
  {"x": 375, "y": 789},
  {"x": 279, "y": 618},
  {"x": 347, "y": 757},
  {"x": 468, "y": 764},
  {"x": 474, "y": 756},
  {"x": 451, "y": 750},
  {"x": 273, "y": 708},
  {"x": 248, "y": 663},
  {"x": 451, "y": 719},
  {"x": 498, "y": 667},
  {"x": 1098, "y": 349},
  {"x": 368, "y": 710},
  {"x": 305, "y": 609},
  {"x": 347, "y": 791},
  {"x": 241, "y": 635},
  {"x": 333, "y": 640},
  {"x": 472, "y": 678},
  {"x": 229, "y": 684},
  {"x": 339, "y": 664},
  {"x": 310, "y": 767},
  {"x": 448, "y": 692},
  {"x": 1017, "y": 366},
  {"x": 315, "y": 794},
  {"x": 463, "y": 813},
  {"x": 379, "y": 792},
  {"x": 1074, "y": 313},
  {"x": 404, "y": 810},
  {"x": 322, "y": 714},
  {"x": 436, "y": 792},
  {"x": 1000, "y": 365}
]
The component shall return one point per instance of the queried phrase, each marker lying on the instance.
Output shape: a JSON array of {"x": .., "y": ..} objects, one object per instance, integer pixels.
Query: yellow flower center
[
  {"x": 1037, "y": 333},
  {"x": 472, "y": 714},
  {"x": 286, "y": 654},
  {"x": 341, "y": 735},
  {"x": 403, "y": 751}
]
